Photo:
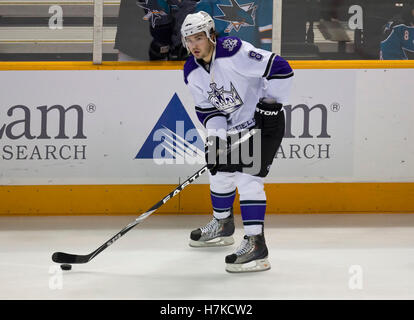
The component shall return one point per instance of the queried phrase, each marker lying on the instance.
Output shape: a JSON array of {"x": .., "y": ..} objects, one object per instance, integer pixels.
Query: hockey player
[
  {"x": 236, "y": 87},
  {"x": 398, "y": 43}
]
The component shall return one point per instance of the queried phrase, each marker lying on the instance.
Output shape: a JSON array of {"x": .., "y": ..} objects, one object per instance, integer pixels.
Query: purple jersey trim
[
  {"x": 279, "y": 69},
  {"x": 203, "y": 117},
  {"x": 227, "y": 47},
  {"x": 189, "y": 66}
]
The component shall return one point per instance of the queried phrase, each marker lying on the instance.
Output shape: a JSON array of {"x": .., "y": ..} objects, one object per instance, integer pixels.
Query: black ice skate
[
  {"x": 218, "y": 232},
  {"x": 250, "y": 256}
]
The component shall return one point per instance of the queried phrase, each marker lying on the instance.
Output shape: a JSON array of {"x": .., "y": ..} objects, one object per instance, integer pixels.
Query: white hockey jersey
[{"x": 238, "y": 77}]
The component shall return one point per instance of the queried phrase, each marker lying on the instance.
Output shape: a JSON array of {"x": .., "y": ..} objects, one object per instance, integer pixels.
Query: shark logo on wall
[
  {"x": 237, "y": 15},
  {"x": 152, "y": 13}
]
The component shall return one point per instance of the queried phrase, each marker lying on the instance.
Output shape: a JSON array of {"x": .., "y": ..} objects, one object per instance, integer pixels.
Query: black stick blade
[{"x": 61, "y": 257}]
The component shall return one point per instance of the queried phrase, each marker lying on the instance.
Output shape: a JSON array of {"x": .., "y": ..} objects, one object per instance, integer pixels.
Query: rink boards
[{"x": 116, "y": 138}]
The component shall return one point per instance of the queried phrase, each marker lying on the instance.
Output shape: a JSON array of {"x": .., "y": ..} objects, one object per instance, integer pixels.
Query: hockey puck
[{"x": 65, "y": 266}]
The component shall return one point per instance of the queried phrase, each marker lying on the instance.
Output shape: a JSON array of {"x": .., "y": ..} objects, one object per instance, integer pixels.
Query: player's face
[{"x": 199, "y": 45}]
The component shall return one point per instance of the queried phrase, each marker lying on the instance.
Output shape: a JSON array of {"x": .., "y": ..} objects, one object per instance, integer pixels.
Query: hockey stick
[{"x": 61, "y": 257}]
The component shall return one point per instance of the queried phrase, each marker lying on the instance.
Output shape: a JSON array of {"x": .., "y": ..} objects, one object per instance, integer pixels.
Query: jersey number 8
[
  {"x": 406, "y": 35},
  {"x": 255, "y": 55}
]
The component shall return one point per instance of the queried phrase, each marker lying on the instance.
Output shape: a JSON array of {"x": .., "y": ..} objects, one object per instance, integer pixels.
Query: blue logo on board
[{"x": 174, "y": 138}]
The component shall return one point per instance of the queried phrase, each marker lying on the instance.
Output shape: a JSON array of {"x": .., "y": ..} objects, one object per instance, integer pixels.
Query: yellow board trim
[
  {"x": 86, "y": 65},
  {"x": 285, "y": 198},
  {"x": 178, "y": 65}
]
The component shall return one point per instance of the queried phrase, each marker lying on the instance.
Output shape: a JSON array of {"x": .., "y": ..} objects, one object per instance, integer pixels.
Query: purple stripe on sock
[
  {"x": 222, "y": 202},
  {"x": 253, "y": 212}
]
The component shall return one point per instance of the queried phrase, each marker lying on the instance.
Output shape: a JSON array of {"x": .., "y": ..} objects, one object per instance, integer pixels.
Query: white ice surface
[{"x": 311, "y": 256}]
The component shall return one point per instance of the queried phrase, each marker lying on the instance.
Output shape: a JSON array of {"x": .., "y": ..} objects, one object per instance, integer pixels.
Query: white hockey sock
[
  {"x": 221, "y": 215},
  {"x": 253, "y": 229}
]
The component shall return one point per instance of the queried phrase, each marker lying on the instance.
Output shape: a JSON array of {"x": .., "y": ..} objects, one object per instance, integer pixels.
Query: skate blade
[
  {"x": 252, "y": 266},
  {"x": 217, "y": 242}
]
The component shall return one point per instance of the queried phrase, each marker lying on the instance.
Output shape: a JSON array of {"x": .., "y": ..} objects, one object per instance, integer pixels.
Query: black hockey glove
[
  {"x": 265, "y": 115},
  {"x": 160, "y": 45},
  {"x": 215, "y": 153}
]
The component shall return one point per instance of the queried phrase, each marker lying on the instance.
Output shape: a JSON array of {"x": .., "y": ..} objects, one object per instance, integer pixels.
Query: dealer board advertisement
[{"x": 139, "y": 126}]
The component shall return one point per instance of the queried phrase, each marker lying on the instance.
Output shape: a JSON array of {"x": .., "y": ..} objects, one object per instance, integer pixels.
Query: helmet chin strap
[
  {"x": 213, "y": 57},
  {"x": 209, "y": 38}
]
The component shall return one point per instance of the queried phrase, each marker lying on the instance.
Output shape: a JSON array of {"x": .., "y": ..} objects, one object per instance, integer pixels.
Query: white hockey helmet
[{"x": 195, "y": 23}]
